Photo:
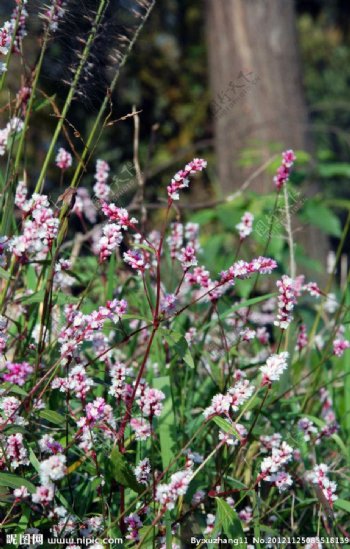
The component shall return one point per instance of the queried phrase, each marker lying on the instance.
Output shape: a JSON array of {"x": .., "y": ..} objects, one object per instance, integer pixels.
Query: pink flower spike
[
  {"x": 143, "y": 471},
  {"x": 112, "y": 237},
  {"x": 120, "y": 215},
  {"x": 288, "y": 158},
  {"x": 245, "y": 226},
  {"x": 339, "y": 346},
  {"x": 150, "y": 402},
  {"x": 319, "y": 475},
  {"x": 302, "y": 339},
  {"x": 63, "y": 159},
  {"x": 17, "y": 372},
  {"x": 136, "y": 260},
  {"x": 187, "y": 257},
  {"x": 283, "y": 172},
  {"x": 313, "y": 289},
  {"x": 286, "y": 301},
  {"x": 274, "y": 367},
  {"x": 181, "y": 178},
  {"x": 101, "y": 188}
]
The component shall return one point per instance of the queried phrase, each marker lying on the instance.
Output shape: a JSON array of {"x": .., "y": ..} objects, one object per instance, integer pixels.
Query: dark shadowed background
[{"x": 234, "y": 81}]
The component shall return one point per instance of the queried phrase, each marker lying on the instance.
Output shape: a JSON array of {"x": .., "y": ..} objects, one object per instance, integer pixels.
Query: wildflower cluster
[
  {"x": 13, "y": 31},
  {"x": 181, "y": 179},
  {"x": 283, "y": 172},
  {"x": 8, "y": 133},
  {"x": 320, "y": 478},
  {"x": 105, "y": 363},
  {"x": 153, "y": 381},
  {"x": 40, "y": 226},
  {"x": 63, "y": 159}
]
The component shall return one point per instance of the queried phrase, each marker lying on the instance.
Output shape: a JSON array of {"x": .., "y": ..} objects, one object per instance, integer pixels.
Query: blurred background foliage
[{"x": 167, "y": 79}]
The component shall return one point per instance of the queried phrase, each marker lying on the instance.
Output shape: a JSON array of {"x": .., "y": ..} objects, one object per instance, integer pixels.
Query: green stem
[{"x": 7, "y": 284}]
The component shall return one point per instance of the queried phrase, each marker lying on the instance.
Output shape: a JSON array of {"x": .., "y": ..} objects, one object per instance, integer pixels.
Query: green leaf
[
  {"x": 58, "y": 297},
  {"x": 253, "y": 403},
  {"x": 42, "y": 103},
  {"x": 13, "y": 388},
  {"x": 64, "y": 299},
  {"x": 34, "y": 460},
  {"x": 122, "y": 472},
  {"x": 13, "y": 481},
  {"x": 24, "y": 520},
  {"x": 14, "y": 429},
  {"x": 338, "y": 203},
  {"x": 145, "y": 247},
  {"x": 166, "y": 421},
  {"x": 137, "y": 317},
  {"x": 322, "y": 217},
  {"x": 334, "y": 169},
  {"x": 240, "y": 305},
  {"x": 179, "y": 344},
  {"x": 237, "y": 484},
  {"x": 229, "y": 215},
  {"x": 52, "y": 417},
  {"x": 225, "y": 426},
  {"x": 37, "y": 297},
  {"x": 31, "y": 278},
  {"x": 204, "y": 216},
  {"x": 4, "y": 274},
  {"x": 230, "y": 522},
  {"x": 342, "y": 504},
  {"x": 147, "y": 535}
]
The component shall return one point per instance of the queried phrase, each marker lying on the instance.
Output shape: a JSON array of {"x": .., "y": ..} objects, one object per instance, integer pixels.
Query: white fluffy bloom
[
  {"x": 167, "y": 494},
  {"x": 21, "y": 492},
  {"x": 53, "y": 468},
  {"x": 274, "y": 367}
]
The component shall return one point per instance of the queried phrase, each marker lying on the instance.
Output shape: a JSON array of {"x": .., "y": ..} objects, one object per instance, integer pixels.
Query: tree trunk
[{"x": 258, "y": 100}]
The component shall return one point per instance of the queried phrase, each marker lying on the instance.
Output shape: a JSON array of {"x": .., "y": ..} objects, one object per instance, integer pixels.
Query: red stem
[{"x": 127, "y": 415}]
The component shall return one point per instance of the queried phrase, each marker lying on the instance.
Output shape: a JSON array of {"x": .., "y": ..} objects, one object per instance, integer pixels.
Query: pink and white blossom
[
  {"x": 143, "y": 471},
  {"x": 340, "y": 346},
  {"x": 308, "y": 428},
  {"x": 302, "y": 339},
  {"x": 52, "y": 469},
  {"x": 283, "y": 172},
  {"x": 141, "y": 428},
  {"x": 17, "y": 372},
  {"x": 182, "y": 178},
  {"x": 286, "y": 302},
  {"x": 110, "y": 241},
  {"x": 134, "y": 524},
  {"x": 136, "y": 260},
  {"x": 150, "y": 402},
  {"x": 167, "y": 494},
  {"x": 101, "y": 188},
  {"x": 64, "y": 159},
  {"x": 16, "y": 452},
  {"x": 245, "y": 226},
  {"x": 319, "y": 476}
]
